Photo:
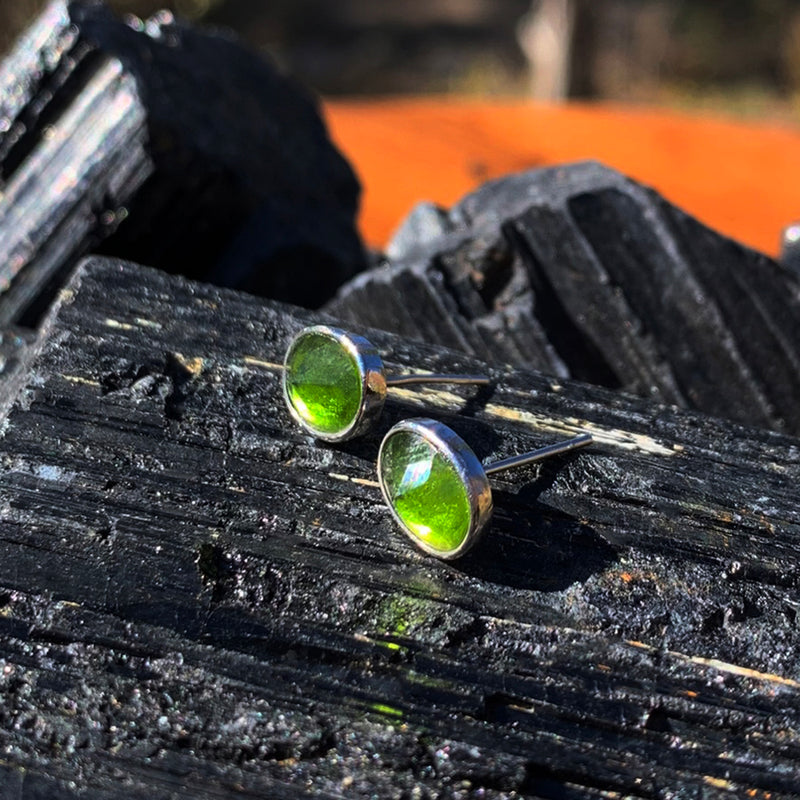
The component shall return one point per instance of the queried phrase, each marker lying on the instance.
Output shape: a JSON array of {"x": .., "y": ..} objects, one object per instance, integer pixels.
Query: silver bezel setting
[
  {"x": 373, "y": 382},
  {"x": 447, "y": 442}
]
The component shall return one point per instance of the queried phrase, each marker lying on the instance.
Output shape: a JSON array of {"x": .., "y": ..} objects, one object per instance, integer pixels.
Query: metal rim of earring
[
  {"x": 469, "y": 472},
  {"x": 372, "y": 379}
]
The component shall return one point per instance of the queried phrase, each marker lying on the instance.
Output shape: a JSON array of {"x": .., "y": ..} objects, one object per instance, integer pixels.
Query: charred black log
[
  {"x": 172, "y": 146},
  {"x": 199, "y": 601},
  {"x": 583, "y": 273}
]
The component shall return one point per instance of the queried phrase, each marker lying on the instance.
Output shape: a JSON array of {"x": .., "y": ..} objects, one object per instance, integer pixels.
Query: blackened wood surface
[
  {"x": 199, "y": 601},
  {"x": 169, "y": 145},
  {"x": 583, "y": 273}
]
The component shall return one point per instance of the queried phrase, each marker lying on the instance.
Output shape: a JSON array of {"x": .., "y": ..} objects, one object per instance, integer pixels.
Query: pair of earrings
[{"x": 335, "y": 385}]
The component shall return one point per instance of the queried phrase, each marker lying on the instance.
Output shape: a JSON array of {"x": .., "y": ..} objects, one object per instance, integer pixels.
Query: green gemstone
[
  {"x": 425, "y": 491},
  {"x": 323, "y": 383}
]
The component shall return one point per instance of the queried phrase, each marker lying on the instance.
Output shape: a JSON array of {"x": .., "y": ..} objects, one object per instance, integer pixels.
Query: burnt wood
[
  {"x": 581, "y": 272},
  {"x": 199, "y": 601},
  {"x": 179, "y": 148}
]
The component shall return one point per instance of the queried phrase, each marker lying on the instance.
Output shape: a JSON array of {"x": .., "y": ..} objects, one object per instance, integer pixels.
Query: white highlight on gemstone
[{"x": 416, "y": 474}]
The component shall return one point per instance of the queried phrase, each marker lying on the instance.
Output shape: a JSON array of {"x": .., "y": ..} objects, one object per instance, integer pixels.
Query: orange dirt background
[{"x": 741, "y": 178}]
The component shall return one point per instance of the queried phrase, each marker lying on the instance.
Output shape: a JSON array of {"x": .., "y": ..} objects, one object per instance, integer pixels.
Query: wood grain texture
[
  {"x": 583, "y": 273},
  {"x": 199, "y": 601}
]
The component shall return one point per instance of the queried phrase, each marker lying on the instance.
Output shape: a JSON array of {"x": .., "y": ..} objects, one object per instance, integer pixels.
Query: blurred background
[
  {"x": 738, "y": 56},
  {"x": 428, "y": 98}
]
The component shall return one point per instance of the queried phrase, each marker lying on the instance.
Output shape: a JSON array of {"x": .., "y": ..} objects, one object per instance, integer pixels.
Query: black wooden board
[{"x": 199, "y": 601}]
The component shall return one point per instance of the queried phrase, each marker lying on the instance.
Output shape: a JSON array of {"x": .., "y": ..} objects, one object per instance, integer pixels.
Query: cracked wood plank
[{"x": 197, "y": 598}]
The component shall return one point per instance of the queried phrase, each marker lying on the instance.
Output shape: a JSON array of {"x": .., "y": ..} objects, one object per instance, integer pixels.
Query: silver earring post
[
  {"x": 410, "y": 380},
  {"x": 335, "y": 383},
  {"x": 557, "y": 449}
]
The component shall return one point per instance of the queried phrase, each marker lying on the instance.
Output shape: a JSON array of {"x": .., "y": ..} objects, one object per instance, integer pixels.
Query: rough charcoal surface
[
  {"x": 584, "y": 273},
  {"x": 170, "y": 145},
  {"x": 199, "y": 601}
]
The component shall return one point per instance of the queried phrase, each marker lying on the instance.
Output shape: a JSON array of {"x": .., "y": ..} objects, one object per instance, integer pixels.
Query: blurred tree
[
  {"x": 546, "y": 36},
  {"x": 406, "y": 46},
  {"x": 731, "y": 40}
]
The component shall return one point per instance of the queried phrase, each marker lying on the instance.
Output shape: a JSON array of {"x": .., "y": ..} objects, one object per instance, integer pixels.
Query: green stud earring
[
  {"x": 334, "y": 382},
  {"x": 437, "y": 489}
]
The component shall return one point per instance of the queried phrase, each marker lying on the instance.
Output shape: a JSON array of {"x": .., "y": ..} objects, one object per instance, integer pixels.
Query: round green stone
[
  {"x": 323, "y": 383},
  {"x": 425, "y": 491}
]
